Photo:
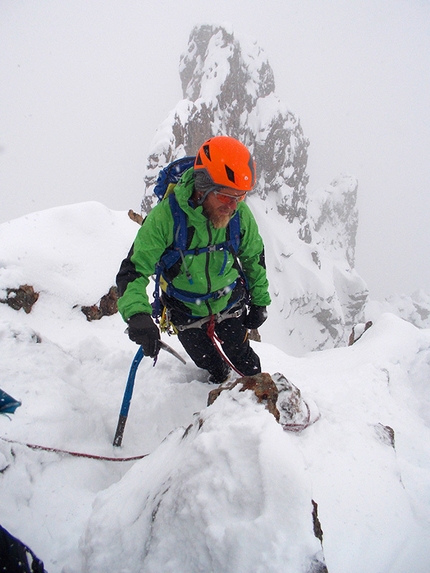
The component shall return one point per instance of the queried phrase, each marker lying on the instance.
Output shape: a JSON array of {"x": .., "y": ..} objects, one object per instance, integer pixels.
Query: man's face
[{"x": 219, "y": 206}]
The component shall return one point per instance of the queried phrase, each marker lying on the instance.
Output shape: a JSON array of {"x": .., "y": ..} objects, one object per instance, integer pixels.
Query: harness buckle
[{"x": 237, "y": 313}]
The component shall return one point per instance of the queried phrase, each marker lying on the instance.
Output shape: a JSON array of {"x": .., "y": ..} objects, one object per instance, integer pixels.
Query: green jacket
[{"x": 156, "y": 234}]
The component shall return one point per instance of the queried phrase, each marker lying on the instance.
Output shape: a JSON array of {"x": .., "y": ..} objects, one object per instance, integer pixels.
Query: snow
[{"x": 223, "y": 488}]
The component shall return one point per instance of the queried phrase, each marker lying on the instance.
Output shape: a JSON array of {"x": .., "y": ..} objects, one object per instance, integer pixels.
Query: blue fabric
[
  {"x": 8, "y": 405},
  {"x": 171, "y": 174}
]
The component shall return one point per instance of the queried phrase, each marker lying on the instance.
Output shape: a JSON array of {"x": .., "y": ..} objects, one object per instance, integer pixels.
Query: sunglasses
[{"x": 226, "y": 198}]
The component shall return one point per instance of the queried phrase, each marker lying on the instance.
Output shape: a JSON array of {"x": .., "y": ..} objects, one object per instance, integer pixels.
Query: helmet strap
[{"x": 202, "y": 199}]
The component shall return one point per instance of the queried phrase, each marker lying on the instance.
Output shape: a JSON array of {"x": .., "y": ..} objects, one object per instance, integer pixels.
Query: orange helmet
[{"x": 227, "y": 162}]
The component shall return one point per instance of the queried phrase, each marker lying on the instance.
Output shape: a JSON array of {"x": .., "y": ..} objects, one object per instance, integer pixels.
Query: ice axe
[{"x": 125, "y": 406}]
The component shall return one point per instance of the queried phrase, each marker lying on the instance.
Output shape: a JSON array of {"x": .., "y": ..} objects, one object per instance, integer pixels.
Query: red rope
[
  {"x": 210, "y": 329},
  {"x": 76, "y": 454}
]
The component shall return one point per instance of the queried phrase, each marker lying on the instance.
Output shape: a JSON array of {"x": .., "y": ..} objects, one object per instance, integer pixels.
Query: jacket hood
[{"x": 183, "y": 191}]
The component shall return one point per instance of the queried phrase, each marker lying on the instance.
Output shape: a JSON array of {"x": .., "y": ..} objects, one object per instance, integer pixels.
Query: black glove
[
  {"x": 255, "y": 317},
  {"x": 143, "y": 331}
]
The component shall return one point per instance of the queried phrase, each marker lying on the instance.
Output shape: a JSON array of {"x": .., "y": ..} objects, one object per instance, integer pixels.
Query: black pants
[{"x": 235, "y": 345}]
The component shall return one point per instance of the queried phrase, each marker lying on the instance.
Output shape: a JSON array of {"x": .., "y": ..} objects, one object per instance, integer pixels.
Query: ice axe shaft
[{"x": 125, "y": 406}]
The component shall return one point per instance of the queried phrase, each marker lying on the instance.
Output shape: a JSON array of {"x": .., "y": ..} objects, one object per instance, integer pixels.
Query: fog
[{"x": 85, "y": 84}]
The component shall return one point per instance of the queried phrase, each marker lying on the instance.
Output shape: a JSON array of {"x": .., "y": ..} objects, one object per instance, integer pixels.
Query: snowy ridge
[
  {"x": 232, "y": 493},
  {"x": 414, "y": 308},
  {"x": 206, "y": 500}
]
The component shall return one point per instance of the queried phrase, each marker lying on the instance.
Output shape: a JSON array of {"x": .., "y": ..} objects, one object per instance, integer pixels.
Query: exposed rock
[
  {"x": 318, "y": 566},
  {"x": 136, "y": 217},
  {"x": 318, "y": 562},
  {"x": 254, "y": 335},
  {"x": 386, "y": 435},
  {"x": 23, "y": 297},
  {"x": 282, "y": 398},
  {"x": 91, "y": 312},
  {"x": 357, "y": 332},
  {"x": 295, "y": 413},
  {"x": 106, "y": 307},
  {"x": 261, "y": 384},
  {"x": 291, "y": 399},
  {"x": 317, "y": 524}
]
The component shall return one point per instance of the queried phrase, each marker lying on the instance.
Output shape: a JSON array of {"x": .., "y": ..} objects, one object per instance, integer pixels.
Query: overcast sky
[{"x": 85, "y": 84}]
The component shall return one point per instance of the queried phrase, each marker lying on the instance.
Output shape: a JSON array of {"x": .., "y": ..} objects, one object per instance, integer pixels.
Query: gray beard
[{"x": 219, "y": 221}]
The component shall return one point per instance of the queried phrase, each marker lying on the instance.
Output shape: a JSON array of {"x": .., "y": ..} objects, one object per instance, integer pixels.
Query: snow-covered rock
[
  {"x": 334, "y": 214},
  {"x": 414, "y": 308}
]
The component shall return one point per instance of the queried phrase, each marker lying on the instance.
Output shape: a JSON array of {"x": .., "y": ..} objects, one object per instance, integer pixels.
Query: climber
[{"x": 218, "y": 286}]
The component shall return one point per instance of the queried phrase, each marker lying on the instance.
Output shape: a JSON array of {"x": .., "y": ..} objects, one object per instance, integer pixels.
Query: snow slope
[{"x": 233, "y": 493}]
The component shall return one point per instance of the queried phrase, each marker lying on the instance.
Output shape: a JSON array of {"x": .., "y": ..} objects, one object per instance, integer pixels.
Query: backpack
[
  {"x": 170, "y": 175},
  {"x": 16, "y": 557},
  {"x": 166, "y": 182}
]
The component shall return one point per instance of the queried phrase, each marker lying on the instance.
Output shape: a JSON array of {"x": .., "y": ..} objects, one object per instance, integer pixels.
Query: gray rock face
[
  {"x": 414, "y": 308},
  {"x": 229, "y": 89},
  {"x": 334, "y": 216}
]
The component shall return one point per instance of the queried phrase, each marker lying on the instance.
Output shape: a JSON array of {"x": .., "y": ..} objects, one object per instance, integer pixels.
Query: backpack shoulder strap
[
  {"x": 234, "y": 242},
  {"x": 234, "y": 231},
  {"x": 180, "y": 232}
]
